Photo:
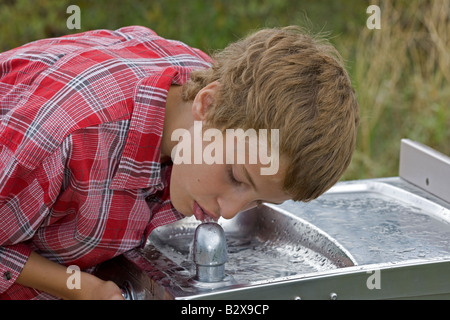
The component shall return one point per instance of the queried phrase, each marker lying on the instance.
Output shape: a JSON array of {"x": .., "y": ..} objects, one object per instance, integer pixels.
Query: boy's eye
[{"x": 231, "y": 176}]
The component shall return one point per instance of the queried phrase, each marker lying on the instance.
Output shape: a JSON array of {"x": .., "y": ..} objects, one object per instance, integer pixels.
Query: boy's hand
[
  {"x": 93, "y": 288},
  {"x": 109, "y": 291},
  {"x": 51, "y": 277}
]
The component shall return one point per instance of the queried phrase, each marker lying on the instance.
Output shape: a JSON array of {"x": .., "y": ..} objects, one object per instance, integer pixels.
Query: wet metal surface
[
  {"x": 381, "y": 222},
  {"x": 264, "y": 244}
]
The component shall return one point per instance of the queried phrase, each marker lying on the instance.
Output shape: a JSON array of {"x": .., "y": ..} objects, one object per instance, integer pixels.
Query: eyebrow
[{"x": 249, "y": 178}]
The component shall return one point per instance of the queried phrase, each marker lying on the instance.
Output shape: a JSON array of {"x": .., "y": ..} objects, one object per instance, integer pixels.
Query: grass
[{"x": 402, "y": 75}]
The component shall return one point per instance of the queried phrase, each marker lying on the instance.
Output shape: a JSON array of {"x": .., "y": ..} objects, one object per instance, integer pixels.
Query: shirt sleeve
[
  {"x": 25, "y": 198},
  {"x": 12, "y": 260}
]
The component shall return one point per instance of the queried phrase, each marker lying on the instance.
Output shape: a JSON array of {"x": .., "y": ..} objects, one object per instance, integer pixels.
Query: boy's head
[{"x": 285, "y": 79}]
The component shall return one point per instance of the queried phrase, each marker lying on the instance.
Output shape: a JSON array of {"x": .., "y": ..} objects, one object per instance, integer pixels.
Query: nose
[{"x": 230, "y": 206}]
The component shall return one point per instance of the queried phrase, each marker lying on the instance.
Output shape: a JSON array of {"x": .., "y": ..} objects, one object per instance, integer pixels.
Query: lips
[{"x": 201, "y": 214}]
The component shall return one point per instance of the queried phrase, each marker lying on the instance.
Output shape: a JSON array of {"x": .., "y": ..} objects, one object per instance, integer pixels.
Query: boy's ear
[{"x": 203, "y": 100}]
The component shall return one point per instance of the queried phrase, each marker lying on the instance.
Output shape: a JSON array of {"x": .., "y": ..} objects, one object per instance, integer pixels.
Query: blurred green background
[{"x": 401, "y": 72}]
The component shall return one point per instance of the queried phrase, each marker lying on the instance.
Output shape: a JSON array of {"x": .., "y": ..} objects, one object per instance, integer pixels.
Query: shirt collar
[{"x": 140, "y": 166}]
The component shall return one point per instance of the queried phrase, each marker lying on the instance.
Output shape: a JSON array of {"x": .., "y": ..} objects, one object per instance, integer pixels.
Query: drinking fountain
[{"x": 209, "y": 252}]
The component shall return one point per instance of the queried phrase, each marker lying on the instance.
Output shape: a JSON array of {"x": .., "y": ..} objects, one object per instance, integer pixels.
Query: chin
[
  {"x": 182, "y": 209},
  {"x": 177, "y": 200}
]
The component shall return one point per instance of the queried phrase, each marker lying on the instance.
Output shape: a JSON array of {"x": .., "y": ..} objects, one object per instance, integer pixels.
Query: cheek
[
  {"x": 198, "y": 180},
  {"x": 189, "y": 177},
  {"x": 207, "y": 179}
]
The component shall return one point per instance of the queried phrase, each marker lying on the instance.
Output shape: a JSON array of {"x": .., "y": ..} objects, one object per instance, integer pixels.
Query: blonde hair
[{"x": 285, "y": 79}]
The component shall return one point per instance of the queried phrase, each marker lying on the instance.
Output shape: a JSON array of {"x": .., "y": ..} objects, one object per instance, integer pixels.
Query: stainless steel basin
[{"x": 264, "y": 244}]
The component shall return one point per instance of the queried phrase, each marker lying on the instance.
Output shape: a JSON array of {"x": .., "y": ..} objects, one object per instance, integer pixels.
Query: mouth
[{"x": 202, "y": 214}]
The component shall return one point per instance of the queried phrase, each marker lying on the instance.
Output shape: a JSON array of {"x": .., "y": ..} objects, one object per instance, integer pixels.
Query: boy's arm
[
  {"x": 51, "y": 277},
  {"x": 20, "y": 219}
]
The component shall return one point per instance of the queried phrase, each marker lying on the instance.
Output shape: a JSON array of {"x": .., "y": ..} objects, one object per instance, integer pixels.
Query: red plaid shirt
[{"x": 80, "y": 135}]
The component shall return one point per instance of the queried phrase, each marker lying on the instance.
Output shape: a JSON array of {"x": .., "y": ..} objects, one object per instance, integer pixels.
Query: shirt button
[{"x": 7, "y": 275}]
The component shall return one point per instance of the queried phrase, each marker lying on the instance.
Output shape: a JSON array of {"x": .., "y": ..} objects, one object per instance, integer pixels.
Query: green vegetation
[{"x": 401, "y": 72}]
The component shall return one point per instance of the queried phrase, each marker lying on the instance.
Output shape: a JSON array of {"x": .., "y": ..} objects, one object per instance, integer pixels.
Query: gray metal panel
[
  {"x": 425, "y": 168},
  {"x": 403, "y": 281}
]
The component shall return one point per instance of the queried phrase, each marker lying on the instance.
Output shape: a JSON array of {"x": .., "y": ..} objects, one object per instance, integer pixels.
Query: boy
[{"x": 86, "y": 143}]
